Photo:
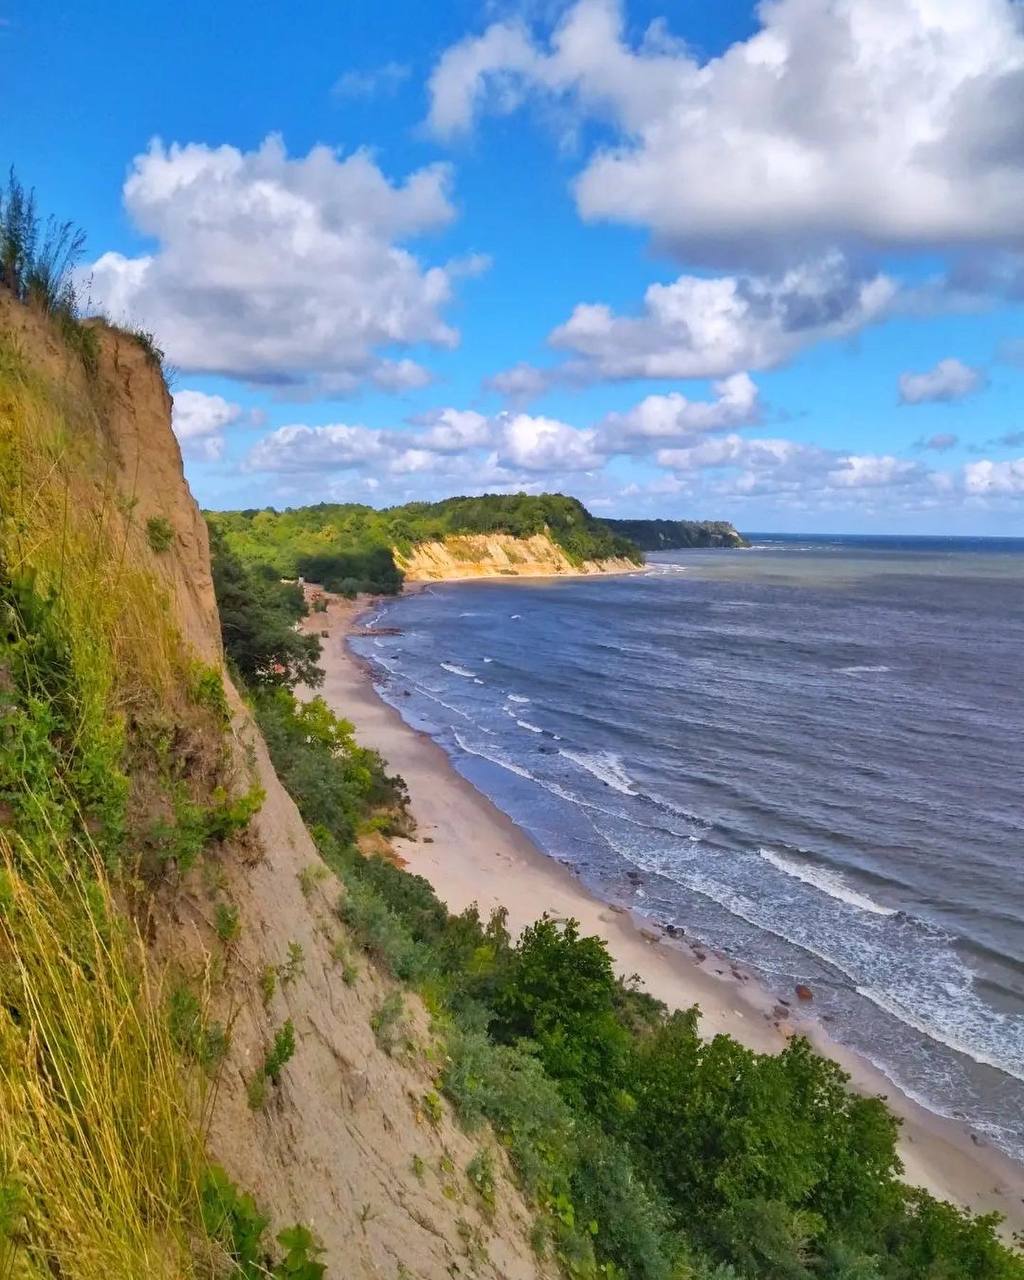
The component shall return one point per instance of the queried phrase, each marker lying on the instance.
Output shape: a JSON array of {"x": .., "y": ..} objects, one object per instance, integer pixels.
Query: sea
[{"x": 808, "y": 755}]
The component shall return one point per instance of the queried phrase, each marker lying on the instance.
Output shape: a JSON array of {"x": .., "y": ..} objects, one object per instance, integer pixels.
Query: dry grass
[
  {"x": 98, "y": 1130},
  {"x": 101, "y": 1152}
]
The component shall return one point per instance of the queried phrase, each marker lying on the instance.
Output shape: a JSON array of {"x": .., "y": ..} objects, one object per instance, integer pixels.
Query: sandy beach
[{"x": 471, "y": 852}]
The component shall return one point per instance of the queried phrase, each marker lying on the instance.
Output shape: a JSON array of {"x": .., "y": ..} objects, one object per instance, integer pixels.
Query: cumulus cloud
[
  {"x": 520, "y": 383},
  {"x": 699, "y": 327},
  {"x": 896, "y": 124},
  {"x": 544, "y": 444},
  {"x": 199, "y": 421},
  {"x": 455, "y": 431},
  {"x": 985, "y": 477},
  {"x": 658, "y": 420},
  {"x": 283, "y": 271},
  {"x": 950, "y": 380}
]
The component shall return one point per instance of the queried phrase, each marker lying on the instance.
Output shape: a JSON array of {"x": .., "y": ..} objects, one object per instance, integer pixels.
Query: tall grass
[
  {"x": 100, "y": 1128},
  {"x": 37, "y": 257}
]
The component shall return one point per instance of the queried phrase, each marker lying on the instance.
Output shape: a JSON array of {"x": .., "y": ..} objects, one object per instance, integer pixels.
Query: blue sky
[{"x": 760, "y": 264}]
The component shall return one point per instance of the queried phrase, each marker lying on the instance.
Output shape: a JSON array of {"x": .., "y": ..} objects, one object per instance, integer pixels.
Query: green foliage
[
  {"x": 257, "y": 621},
  {"x": 349, "y": 548},
  {"x": 226, "y": 922},
  {"x": 281, "y": 1052},
  {"x": 480, "y": 1172},
  {"x": 294, "y": 966},
  {"x": 159, "y": 533},
  {"x": 386, "y": 1021},
  {"x": 195, "y": 827},
  {"x": 670, "y": 535},
  {"x": 197, "y": 1038},
  {"x": 233, "y": 1220},
  {"x": 207, "y": 689},
  {"x": 336, "y": 783},
  {"x": 559, "y": 991},
  {"x": 37, "y": 259}
]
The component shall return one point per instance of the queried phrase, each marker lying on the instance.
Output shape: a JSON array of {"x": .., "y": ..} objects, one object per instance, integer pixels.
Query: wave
[
  {"x": 606, "y": 766},
  {"x": 494, "y": 759},
  {"x": 459, "y": 671},
  {"x": 830, "y": 882},
  {"x": 862, "y": 671},
  {"x": 517, "y": 697},
  {"x": 1008, "y": 1062},
  {"x": 525, "y": 724}
]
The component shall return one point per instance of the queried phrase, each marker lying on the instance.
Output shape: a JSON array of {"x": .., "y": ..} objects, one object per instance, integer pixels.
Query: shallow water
[{"x": 808, "y": 755}]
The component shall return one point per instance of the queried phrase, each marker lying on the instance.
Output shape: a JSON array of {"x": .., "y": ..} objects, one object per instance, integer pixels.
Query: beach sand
[{"x": 472, "y": 852}]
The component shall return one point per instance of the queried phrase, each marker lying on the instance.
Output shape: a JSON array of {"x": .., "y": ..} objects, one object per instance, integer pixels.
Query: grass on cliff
[{"x": 102, "y": 1166}]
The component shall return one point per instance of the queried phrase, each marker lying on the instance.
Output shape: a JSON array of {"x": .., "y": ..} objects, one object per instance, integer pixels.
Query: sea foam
[{"x": 830, "y": 882}]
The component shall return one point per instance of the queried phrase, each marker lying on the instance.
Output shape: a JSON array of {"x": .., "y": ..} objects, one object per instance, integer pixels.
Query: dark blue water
[{"x": 811, "y": 753}]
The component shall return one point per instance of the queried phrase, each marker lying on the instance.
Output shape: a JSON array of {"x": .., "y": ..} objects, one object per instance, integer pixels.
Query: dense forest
[
  {"x": 348, "y": 547},
  {"x": 649, "y": 1152},
  {"x": 672, "y": 535}
]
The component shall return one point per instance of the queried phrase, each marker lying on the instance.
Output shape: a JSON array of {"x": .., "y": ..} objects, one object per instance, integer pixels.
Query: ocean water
[{"x": 809, "y": 755}]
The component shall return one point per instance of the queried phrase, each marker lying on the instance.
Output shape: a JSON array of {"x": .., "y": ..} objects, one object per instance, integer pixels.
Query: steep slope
[
  {"x": 352, "y": 1141},
  {"x": 497, "y": 555}
]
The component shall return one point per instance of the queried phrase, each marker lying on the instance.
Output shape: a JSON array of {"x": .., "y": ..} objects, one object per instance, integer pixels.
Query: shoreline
[{"x": 470, "y": 851}]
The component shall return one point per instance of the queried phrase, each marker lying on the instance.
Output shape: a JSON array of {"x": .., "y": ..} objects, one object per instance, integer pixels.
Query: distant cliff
[
  {"x": 671, "y": 535},
  {"x": 490, "y": 555}
]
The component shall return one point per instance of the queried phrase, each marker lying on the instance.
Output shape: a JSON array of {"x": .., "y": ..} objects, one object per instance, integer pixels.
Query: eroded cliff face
[
  {"x": 497, "y": 555},
  {"x": 346, "y": 1143}
]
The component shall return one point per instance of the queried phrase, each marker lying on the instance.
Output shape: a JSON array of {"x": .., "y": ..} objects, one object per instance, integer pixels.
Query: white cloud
[
  {"x": 986, "y": 477},
  {"x": 199, "y": 421},
  {"x": 873, "y": 471},
  {"x": 284, "y": 271},
  {"x": 950, "y": 380},
  {"x": 544, "y": 444},
  {"x": 337, "y": 446},
  {"x": 698, "y": 327},
  {"x": 455, "y": 431},
  {"x": 521, "y": 382},
  {"x": 891, "y": 122},
  {"x": 658, "y": 420}
]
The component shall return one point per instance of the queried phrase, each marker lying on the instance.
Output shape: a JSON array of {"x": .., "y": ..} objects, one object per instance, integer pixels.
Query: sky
[{"x": 762, "y": 263}]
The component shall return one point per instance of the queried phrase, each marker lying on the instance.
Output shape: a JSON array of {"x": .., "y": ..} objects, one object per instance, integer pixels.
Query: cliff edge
[{"x": 493, "y": 555}]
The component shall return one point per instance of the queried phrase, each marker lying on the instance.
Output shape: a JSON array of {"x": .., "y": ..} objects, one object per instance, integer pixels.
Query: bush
[
  {"x": 382, "y": 933},
  {"x": 159, "y": 533}
]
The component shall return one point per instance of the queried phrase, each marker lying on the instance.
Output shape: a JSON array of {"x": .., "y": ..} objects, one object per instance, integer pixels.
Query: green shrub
[
  {"x": 203, "y": 1041},
  {"x": 159, "y": 533},
  {"x": 386, "y": 1021},
  {"x": 480, "y": 1172},
  {"x": 226, "y": 922},
  {"x": 282, "y": 1051},
  {"x": 382, "y": 933}
]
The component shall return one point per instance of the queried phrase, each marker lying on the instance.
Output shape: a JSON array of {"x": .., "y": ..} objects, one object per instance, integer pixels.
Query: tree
[
  {"x": 257, "y": 620},
  {"x": 560, "y": 990}
]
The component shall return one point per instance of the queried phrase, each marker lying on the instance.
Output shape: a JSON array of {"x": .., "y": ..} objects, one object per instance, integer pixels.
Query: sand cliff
[{"x": 494, "y": 555}]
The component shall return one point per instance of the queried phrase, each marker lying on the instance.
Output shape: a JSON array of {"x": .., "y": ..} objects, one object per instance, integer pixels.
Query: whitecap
[
  {"x": 517, "y": 697},
  {"x": 825, "y": 880},
  {"x": 606, "y": 766},
  {"x": 525, "y": 724},
  {"x": 459, "y": 671},
  {"x": 862, "y": 671},
  {"x": 494, "y": 759}
]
